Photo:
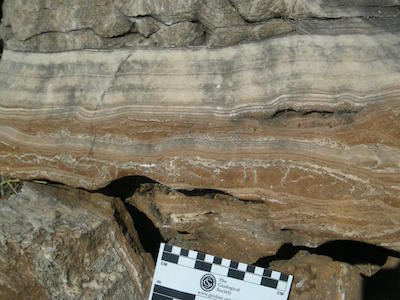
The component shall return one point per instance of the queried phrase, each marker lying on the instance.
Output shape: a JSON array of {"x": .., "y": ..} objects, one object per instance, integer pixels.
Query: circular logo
[{"x": 207, "y": 282}]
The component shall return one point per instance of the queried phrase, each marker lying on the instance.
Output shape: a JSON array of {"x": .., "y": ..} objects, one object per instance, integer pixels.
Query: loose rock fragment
[{"x": 321, "y": 278}]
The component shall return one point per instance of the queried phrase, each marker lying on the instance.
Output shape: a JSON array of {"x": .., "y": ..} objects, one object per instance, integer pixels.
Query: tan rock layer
[
  {"x": 318, "y": 277},
  {"x": 249, "y": 230}
]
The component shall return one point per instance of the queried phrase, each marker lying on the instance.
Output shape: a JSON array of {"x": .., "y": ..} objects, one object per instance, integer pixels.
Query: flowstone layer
[
  {"x": 260, "y": 124},
  {"x": 248, "y": 230},
  {"x": 267, "y": 120}
]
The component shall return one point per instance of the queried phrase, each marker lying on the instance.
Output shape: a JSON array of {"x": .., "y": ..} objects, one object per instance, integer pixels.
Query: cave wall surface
[{"x": 287, "y": 112}]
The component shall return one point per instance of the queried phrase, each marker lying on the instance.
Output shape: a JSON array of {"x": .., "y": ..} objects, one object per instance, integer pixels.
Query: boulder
[
  {"x": 319, "y": 277},
  {"x": 61, "y": 243}
]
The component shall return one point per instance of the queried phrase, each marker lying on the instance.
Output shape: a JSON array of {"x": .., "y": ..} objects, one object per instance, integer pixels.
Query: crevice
[
  {"x": 238, "y": 12},
  {"x": 208, "y": 193},
  {"x": 125, "y": 187},
  {"x": 120, "y": 222},
  {"x": 149, "y": 235},
  {"x": 323, "y": 113},
  {"x": 289, "y": 18},
  {"x": 101, "y": 99},
  {"x": 110, "y": 84},
  {"x": 184, "y": 232},
  {"x": 66, "y": 32},
  {"x": 351, "y": 252},
  {"x": 348, "y": 251},
  {"x": 385, "y": 284},
  {"x": 1, "y": 18}
]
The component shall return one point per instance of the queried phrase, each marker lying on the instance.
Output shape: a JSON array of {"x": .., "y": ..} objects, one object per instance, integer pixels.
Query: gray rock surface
[
  {"x": 48, "y": 26},
  {"x": 59, "y": 243},
  {"x": 257, "y": 10}
]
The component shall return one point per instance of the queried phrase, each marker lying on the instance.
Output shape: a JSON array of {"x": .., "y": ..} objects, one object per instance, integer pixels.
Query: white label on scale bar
[{"x": 188, "y": 275}]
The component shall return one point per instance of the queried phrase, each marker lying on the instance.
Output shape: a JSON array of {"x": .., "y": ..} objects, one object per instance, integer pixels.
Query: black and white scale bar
[
  {"x": 186, "y": 274},
  {"x": 225, "y": 267}
]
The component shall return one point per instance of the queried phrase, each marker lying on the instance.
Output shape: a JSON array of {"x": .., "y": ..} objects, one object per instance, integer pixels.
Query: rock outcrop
[
  {"x": 312, "y": 131},
  {"x": 248, "y": 230},
  {"x": 99, "y": 24},
  {"x": 318, "y": 277},
  {"x": 307, "y": 125},
  {"x": 60, "y": 243},
  {"x": 263, "y": 123},
  {"x": 268, "y": 120}
]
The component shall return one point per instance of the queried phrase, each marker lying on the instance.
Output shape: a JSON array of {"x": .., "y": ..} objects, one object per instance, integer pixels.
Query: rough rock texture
[
  {"x": 100, "y": 24},
  {"x": 38, "y": 25},
  {"x": 257, "y": 10},
  {"x": 279, "y": 120},
  {"x": 248, "y": 230},
  {"x": 270, "y": 110},
  {"x": 318, "y": 277},
  {"x": 309, "y": 125},
  {"x": 59, "y": 243}
]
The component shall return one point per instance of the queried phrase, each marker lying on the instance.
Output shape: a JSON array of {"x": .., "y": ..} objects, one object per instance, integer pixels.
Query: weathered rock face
[
  {"x": 258, "y": 120},
  {"x": 66, "y": 25},
  {"x": 59, "y": 243},
  {"x": 248, "y": 230},
  {"x": 300, "y": 129},
  {"x": 318, "y": 277},
  {"x": 257, "y": 10},
  {"x": 308, "y": 125},
  {"x": 99, "y": 24}
]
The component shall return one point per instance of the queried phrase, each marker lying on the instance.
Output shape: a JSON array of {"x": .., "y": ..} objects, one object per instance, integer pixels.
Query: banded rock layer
[
  {"x": 306, "y": 124},
  {"x": 249, "y": 230}
]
